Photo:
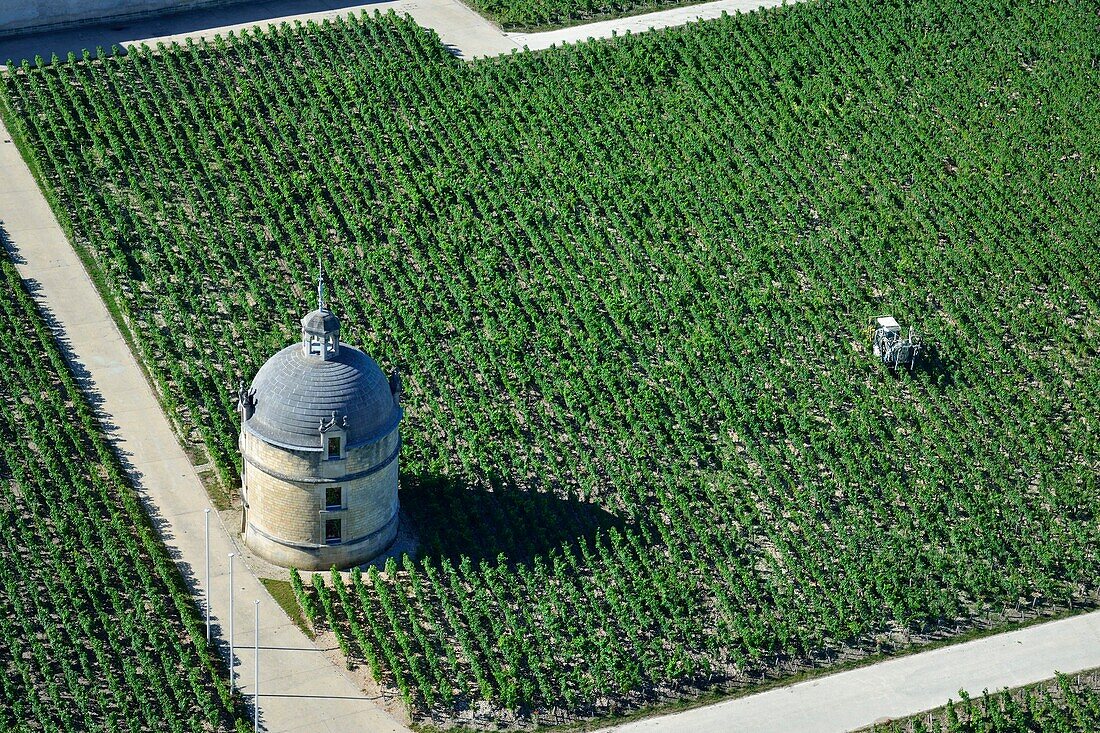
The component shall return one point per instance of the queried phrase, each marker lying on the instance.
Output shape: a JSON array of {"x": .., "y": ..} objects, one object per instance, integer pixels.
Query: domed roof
[{"x": 295, "y": 391}]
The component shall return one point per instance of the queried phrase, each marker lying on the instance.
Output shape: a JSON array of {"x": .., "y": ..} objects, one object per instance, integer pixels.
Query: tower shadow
[{"x": 452, "y": 518}]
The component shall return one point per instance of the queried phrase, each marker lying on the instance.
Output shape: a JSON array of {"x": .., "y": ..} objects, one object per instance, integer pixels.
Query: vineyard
[
  {"x": 532, "y": 15},
  {"x": 1063, "y": 705},
  {"x": 646, "y": 449},
  {"x": 97, "y": 631}
]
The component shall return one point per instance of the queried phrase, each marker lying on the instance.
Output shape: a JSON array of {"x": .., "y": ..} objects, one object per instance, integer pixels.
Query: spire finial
[{"x": 320, "y": 283}]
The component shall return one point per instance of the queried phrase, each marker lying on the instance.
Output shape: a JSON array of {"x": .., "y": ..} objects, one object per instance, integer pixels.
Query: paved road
[
  {"x": 899, "y": 687},
  {"x": 640, "y": 23},
  {"x": 167, "y": 480},
  {"x": 465, "y": 32}
]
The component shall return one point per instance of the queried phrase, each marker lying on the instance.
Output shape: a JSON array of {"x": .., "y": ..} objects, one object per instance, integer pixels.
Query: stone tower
[{"x": 319, "y": 443}]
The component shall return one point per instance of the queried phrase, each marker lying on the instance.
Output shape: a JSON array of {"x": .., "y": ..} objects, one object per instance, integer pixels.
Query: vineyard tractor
[{"x": 889, "y": 344}]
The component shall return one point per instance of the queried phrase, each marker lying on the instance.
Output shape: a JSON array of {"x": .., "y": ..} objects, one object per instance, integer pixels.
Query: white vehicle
[{"x": 889, "y": 345}]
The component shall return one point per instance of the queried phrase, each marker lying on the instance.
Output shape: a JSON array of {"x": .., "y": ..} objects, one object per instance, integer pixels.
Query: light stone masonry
[{"x": 320, "y": 417}]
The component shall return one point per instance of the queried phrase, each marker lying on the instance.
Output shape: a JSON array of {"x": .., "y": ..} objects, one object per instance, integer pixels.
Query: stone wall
[
  {"x": 26, "y": 16},
  {"x": 285, "y": 492},
  {"x": 342, "y": 556}
]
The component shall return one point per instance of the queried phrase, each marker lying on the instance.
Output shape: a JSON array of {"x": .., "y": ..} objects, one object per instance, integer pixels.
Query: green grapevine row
[
  {"x": 646, "y": 450},
  {"x": 1063, "y": 705},
  {"x": 532, "y": 15},
  {"x": 97, "y": 631}
]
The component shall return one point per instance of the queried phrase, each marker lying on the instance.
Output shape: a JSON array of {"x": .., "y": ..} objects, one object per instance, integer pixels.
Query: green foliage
[
  {"x": 1058, "y": 706},
  {"x": 646, "y": 447},
  {"x": 306, "y": 601},
  {"x": 529, "y": 15},
  {"x": 97, "y": 631},
  {"x": 295, "y": 602}
]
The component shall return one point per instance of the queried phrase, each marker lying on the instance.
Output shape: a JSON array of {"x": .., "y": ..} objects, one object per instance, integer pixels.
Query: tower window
[
  {"x": 334, "y": 447},
  {"x": 334, "y": 497},
  {"x": 333, "y": 533}
]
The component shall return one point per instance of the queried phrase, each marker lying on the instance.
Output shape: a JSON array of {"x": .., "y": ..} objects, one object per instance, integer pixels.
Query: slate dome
[{"x": 296, "y": 391}]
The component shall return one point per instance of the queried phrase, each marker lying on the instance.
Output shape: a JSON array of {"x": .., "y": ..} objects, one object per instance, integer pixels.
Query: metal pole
[
  {"x": 232, "y": 677},
  {"x": 256, "y": 698},
  {"x": 208, "y": 575}
]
